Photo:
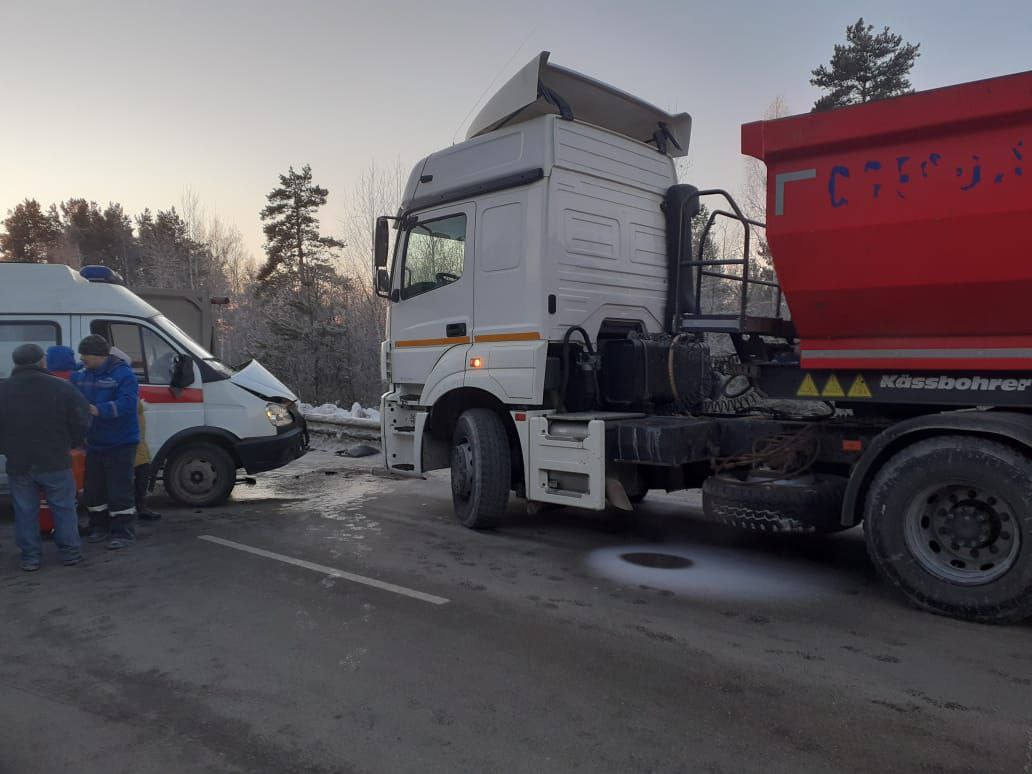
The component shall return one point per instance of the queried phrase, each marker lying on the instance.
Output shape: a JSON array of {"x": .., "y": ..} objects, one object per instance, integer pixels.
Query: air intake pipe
[{"x": 680, "y": 205}]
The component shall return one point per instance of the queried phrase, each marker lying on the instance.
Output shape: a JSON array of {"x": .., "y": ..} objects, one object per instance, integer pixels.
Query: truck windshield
[{"x": 195, "y": 349}]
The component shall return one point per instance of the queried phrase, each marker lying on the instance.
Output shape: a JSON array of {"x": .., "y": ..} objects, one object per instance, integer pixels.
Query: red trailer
[
  {"x": 897, "y": 228},
  {"x": 897, "y": 232}
]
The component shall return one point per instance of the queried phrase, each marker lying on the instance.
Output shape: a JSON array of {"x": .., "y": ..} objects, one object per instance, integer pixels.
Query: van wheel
[
  {"x": 480, "y": 468},
  {"x": 948, "y": 521},
  {"x": 200, "y": 475}
]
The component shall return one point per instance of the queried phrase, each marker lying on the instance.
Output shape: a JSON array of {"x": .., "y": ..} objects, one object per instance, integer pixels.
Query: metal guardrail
[{"x": 343, "y": 427}]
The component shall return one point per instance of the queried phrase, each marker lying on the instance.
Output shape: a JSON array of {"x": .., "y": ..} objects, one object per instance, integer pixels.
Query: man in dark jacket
[
  {"x": 112, "y": 391},
  {"x": 41, "y": 419}
]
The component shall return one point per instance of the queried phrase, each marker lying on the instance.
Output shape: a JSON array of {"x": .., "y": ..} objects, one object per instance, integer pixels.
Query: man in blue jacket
[{"x": 111, "y": 388}]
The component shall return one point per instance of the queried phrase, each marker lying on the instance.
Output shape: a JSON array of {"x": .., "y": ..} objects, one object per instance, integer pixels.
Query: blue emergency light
[{"x": 101, "y": 274}]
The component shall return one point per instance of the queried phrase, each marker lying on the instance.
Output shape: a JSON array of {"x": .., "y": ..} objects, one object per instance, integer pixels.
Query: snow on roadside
[{"x": 333, "y": 413}]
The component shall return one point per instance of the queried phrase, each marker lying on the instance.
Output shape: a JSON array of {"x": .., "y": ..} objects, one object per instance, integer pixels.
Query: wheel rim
[
  {"x": 197, "y": 476},
  {"x": 462, "y": 470},
  {"x": 962, "y": 534}
]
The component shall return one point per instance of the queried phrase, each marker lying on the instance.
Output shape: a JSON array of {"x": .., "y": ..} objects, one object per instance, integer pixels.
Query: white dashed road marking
[{"x": 331, "y": 571}]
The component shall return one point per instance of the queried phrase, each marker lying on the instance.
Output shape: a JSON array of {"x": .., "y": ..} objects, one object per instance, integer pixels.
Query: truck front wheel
[
  {"x": 480, "y": 468},
  {"x": 948, "y": 521}
]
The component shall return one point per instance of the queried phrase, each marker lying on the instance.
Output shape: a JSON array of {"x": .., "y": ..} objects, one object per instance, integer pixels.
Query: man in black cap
[
  {"x": 110, "y": 387},
  {"x": 42, "y": 418}
]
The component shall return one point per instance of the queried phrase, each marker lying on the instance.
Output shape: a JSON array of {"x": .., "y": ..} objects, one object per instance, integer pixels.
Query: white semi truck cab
[{"x": 541, "y": 228}]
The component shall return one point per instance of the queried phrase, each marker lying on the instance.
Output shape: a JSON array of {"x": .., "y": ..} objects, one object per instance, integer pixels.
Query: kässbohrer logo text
[{"x": 973, "y": 383}]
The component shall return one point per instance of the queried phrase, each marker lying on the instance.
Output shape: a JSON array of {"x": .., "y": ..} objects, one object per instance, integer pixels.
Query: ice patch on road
[{"x": 726, "y": 574}]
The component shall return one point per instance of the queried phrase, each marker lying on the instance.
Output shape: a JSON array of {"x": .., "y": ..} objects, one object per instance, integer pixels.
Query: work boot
[
  {"x": 120, "y": 540},
  {"x": 145, "y": 514},
  {"x": 122, "y": 536},
  {"x": 141, "y": 484},
  {"x": 98, "y": 534}
]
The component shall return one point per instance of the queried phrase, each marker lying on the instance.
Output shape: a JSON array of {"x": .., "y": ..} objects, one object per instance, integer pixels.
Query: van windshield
[{"x": 192, "y": 346}]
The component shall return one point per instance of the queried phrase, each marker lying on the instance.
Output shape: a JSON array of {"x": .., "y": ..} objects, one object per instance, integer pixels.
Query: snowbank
[
  {"x": 343, "y": 425},
  {"x": 329, "y": 412}
]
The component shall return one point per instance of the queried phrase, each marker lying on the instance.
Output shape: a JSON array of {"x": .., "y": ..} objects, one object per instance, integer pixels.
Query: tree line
[{"x": 307, "y": 312}]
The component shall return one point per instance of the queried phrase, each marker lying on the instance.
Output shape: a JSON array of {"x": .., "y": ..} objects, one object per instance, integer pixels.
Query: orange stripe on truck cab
[
  {"x": 481, "y": 338},
  {"x": 432, "y": 342},
  {"x": 523, "y": 336}
]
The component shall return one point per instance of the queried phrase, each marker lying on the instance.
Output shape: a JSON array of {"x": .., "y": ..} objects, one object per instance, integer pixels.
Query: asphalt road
[{"x": 535, "y": 648}]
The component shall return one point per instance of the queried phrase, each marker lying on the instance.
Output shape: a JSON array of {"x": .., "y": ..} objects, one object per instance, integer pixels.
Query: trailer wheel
[
  {"x": 480, "y": 468},
  {"x": 948, "y": 521},
  {"x": 809, "y": 505},
  {"x": 200, "y": 475}
]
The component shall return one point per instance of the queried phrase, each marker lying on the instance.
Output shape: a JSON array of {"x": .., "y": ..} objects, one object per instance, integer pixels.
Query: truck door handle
[{"x": 455, "y": 329}]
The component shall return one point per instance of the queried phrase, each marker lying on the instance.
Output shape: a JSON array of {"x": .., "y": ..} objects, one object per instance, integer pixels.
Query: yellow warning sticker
[
  {"x": 832, "y": 389},
  {"x": 808, "y": 389},
  {"x": 859, "y": 388}
]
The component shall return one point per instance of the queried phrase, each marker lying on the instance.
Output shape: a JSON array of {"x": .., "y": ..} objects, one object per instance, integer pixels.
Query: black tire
[
  {"x": 481, "y": 468},
  {"x": 937, "y": 548},
  {"x": 200, "y": 475},
  {"x": 811, "y": 507}
]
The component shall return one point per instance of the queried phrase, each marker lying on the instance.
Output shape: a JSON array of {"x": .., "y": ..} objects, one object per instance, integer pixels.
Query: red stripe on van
[{"x": 154, "y": 394}]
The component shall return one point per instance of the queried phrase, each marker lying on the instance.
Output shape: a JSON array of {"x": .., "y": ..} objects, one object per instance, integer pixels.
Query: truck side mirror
[
  {"x": 383, "y": 281},
  {"x": 381, "y": 236},
  {"x": 182, "y": 372}
]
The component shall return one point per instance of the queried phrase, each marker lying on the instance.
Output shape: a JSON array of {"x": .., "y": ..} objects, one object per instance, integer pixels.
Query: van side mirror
[
  {"x": 381, "y": 237},
  {"x": 182, "y": 372}
]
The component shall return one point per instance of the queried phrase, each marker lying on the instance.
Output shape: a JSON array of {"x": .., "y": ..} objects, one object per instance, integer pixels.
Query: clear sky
[{"x": 136, "y": 101}]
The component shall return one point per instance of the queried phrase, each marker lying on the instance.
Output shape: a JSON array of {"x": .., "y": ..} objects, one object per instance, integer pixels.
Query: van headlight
[{"x": 278, "y": 415}]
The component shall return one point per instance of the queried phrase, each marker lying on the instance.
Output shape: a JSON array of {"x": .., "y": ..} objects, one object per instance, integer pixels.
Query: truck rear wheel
[
  {"x": 811, "y": 504},
  {"x": 480, "y": 468},
  {"x": 948, "y": 521},
  {"x": 200, "y": 475}
]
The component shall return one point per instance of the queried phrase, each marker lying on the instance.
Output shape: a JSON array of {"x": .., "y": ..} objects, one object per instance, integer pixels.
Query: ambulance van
[{"x": 205, "y": 420}]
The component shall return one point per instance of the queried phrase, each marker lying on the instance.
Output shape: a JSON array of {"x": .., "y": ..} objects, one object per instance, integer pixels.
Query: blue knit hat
[{"x": 60, "y": 358}]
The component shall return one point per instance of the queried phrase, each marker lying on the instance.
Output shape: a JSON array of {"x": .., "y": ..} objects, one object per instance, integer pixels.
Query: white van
[{"x": 204, "y": 420}]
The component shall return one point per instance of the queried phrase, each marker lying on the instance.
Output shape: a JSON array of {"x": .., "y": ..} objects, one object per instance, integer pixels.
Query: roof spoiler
[{"x": 541, "y": 88}]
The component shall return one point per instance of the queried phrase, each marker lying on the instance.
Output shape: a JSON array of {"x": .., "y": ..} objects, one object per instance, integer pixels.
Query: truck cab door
[{"x": 432, "y": 291}]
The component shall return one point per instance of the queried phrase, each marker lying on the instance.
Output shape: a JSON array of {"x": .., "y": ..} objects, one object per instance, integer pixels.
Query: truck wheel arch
[
  {"x": 1008, "y": 427},
  {"x": 446, "y": 411}
]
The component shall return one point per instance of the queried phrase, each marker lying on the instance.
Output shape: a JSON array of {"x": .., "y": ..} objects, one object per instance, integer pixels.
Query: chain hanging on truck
[{"x": 787, "y": 455}]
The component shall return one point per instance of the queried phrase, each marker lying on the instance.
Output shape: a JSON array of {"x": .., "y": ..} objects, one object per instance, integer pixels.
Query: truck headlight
[{"x": 278, "y": 415}]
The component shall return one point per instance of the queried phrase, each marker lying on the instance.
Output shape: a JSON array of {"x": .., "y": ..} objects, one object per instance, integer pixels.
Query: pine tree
[
  {"x": 293, "y": 244},
  {"x": 866, "y": 68},
  {"x": 101, "y": 236},
  {"x": 168, "y": 256},
  {"x": 30, "y": 234},
  {"x": 303, "y": 292}
]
